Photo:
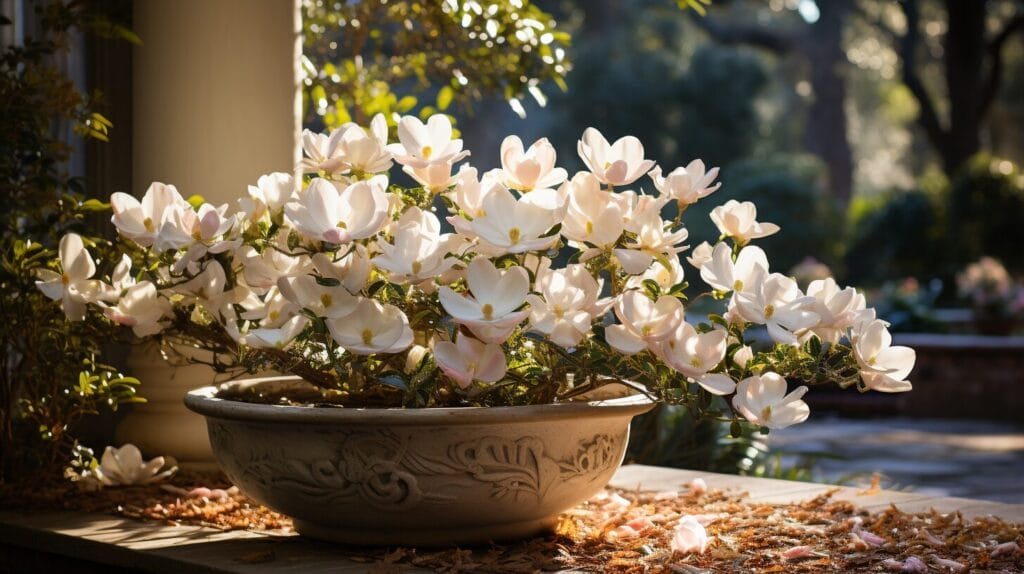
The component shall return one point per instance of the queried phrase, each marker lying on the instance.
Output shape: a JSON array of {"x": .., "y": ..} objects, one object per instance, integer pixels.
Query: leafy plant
[
  {"x": 412, "y": 56},
  {"x": 51, "y": 374}
]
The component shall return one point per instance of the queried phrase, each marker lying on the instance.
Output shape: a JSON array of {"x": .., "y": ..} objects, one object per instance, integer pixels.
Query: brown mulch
[{"x": 619, "y": 531}]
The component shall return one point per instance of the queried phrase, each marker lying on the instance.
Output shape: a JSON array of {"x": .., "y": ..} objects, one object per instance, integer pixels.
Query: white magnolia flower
[
  {"x": 516, "y": 226},
  {"x": 140, "y": 308},
  {"x": 124, "y": 467},
  {"x": 743, "y": 355},
  {"x": 777, "y": 303},
  {"x": 277, "y": 337},
  {"x": 686, "y": 185},
  {"x": 272, "y": 311},
  {"x": 592, "y": 216},
  {"x": 361, "y": 151},
  {"x": 739, "y": 221},
  {"x": 470, "y": 192},
  {"x": 321, "y": 157},
  {"x": 121, "y": 277},
  {"x": 620, "y": 163},
  {"x": 743, "y": 275},
  {"x": 435, "y": 177},
  {"x": 694, "y": 354},
  {"x": 73, "y": 286},
  {"x": 468, "y": 360},
  {"x": 207, "y": 292},
  {"x": 200, "y": 231},
  {"x": 836, "y": 308},
  {"x": 666, "y": 277},
  {"x": 142, "y": 221},
  {"x": 422, "y": 145},
  {"x": 690, "y": 537},
  {"x": 371, "y": 328},
  {"x": 269, "y": 196},
  {"x": 325, "y": 213},
  {"x": 352, "y": 271},
  {"x": 262, "y": 270},
  {"x": 700, "y": 254},
  {"x": 419, "y": 251},
  {"x": 643, "y": 322},
  {"x": 532, "y": 169},
  {"x": 762, "y": 400},
  {"x": 567, "y": 305},
  {"x": 654, "y": 239},
  {"x": 496, "y": 294},
  {"x": 321, "y": 300},
  {"x": 883, "y": 367}
]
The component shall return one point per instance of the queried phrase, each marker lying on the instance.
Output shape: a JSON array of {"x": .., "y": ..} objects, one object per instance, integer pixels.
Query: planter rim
[{"x": 204, "y": 402}]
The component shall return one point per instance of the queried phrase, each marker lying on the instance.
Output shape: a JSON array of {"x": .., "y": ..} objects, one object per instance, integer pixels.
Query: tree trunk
[
  {"x": 825, "y": 133},
  {"x": 964, "y": 60}
]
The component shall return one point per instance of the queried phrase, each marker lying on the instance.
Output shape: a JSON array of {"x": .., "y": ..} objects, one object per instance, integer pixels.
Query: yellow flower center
[
  {"x": 417, "y": 267},
  {"x": 590, "y": 227},
  {"x": 738, "y": 285},
  {"x": 695, "y": 362},
  {"x": 341, "y": 225},
  {"x": 426, "y": 152},
  {"x": 488, "y": 311},
  {"x": 65, "y": 279},
  {"x": 766, "y": 413},
  {"x": 769, "y": 311},
  {"x": 326, "y": 300},
  {"x": 646, "y": 330},
  {"x": 872, "y": 360},
  {"x": 197, "y": 235},
  {"x": 367, "y": 337},
  {"x": 558, "y": 311},
  {"x": 514, "y": 234},
  {"x": 148, "y": 224},
  {"x": 274, "y": 315}
]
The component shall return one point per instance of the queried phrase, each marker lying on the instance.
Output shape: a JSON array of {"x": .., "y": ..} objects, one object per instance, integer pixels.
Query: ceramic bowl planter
[{"x": 418, "y": 476}]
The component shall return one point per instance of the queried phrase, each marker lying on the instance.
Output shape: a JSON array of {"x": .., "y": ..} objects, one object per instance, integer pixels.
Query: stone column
[{"x": 216, "y": 103}]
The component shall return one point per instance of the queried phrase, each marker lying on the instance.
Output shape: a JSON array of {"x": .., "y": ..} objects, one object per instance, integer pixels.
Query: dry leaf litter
[{"x": 618, "y": 532}]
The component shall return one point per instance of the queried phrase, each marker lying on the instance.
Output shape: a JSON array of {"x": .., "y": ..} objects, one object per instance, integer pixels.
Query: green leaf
[
  {"x": 405, "y": 104},
  {"x": 396, "y": 381},
  {"x": 196, "y": 201},
  {"x": 94, "y": 205},
  {"x": 444, "y": 98}
]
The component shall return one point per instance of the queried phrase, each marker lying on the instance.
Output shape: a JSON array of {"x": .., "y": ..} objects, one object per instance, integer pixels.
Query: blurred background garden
[{"x": 883, "y": 136}]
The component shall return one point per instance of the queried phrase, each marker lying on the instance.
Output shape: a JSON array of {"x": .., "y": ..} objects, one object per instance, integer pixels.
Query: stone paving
[{"x": 963, "y": 458}]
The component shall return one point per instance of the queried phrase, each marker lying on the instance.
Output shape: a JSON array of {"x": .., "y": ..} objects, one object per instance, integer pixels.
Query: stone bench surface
[{"x": 123, "y": 543}]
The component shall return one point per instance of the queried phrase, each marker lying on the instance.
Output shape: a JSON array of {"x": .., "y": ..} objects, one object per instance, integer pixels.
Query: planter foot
[{"x": 425, "y": 536}]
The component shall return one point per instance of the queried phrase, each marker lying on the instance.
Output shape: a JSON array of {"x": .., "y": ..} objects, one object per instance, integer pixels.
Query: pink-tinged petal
[
  {"x": 690, "y": 537},
  {"x": 492, "y": 364},
  {"x": 717, "y": 383},
  {"x": 798, "y": 552},
  {"x": 623, "y": 340}
]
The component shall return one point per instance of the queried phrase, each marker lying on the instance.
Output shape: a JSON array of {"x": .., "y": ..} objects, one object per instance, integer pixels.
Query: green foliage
[
  {"x": 636, "y": 78},
  {"x": 901, "y": 239},
  {"x": 788, "y": 192},
  {"x": 50, "y": 375},
  {"x": 416, "y": 57},
  {"x": 670, "y": 436},
  {"x": 985, "y": 211}
]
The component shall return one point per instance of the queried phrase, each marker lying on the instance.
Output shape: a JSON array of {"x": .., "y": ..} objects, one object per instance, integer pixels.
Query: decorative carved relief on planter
[{"x": 380, "y": 468}]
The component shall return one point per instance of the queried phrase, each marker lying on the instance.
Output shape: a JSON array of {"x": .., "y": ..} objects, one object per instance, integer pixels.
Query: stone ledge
[{"x": 118, "y": 543}]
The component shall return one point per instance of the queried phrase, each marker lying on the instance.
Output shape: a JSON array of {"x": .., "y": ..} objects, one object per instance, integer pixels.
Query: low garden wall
[{"x": 956, "y": 376}]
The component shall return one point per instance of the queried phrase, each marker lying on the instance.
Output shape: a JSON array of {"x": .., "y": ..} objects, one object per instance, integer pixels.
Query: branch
[
  {"x": 928, "y": 118},
  {"x": 746, "y": 34},
  {"x": 995, "y": 54}
]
